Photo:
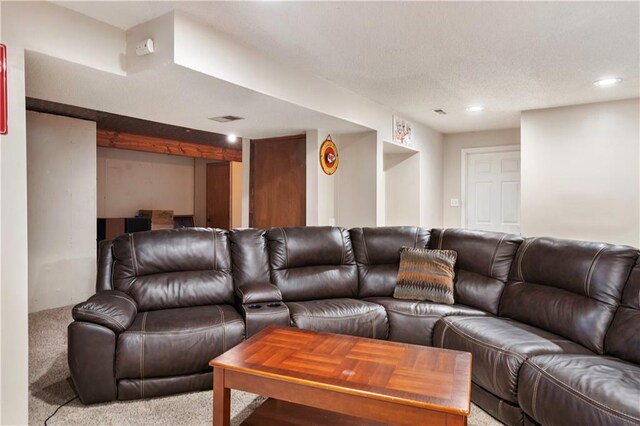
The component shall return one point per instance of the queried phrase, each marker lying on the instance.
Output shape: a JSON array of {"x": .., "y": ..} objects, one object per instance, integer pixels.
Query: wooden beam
[{"x": 110, "y": 139}]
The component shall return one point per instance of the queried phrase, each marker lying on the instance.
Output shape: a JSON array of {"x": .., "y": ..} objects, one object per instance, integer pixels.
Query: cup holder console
[
  {"x": 254, "y": 306},
  {"x": 274, "y": 305}
]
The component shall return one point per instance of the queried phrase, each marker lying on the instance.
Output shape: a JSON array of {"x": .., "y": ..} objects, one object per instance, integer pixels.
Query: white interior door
[{"x": 493, "y": 191}]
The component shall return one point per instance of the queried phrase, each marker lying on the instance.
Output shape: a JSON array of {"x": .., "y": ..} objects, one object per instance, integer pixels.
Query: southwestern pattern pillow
[{"x": 426, "y": 275}]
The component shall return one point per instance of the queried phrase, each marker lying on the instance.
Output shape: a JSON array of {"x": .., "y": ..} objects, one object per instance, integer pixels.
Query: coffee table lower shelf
[{"x": 274, "y": 412}]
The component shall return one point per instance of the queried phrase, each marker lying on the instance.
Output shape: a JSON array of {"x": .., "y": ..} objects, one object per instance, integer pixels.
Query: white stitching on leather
[
  {"x": 414, "y": 315},
  {"x": 124, "y": 298},
  {"x": 585, "y": 398},
  {"x": 224, "y": 330},
  {"x": 364, "y": 244},
  {"x": 144, "y": 323},
  {"x": 304, "y": 308},
  {"x": 215, "y": 260},
  {"x": 446, "y": 328},
  {"x": 333, "y": 318},
  {"x": 84, "y": 311},
  {"x": 134, "y": 259},
  {"x": 495, "y": 369},
  {"x": 535, "y": 396},
  {"x": 253, "y": 313},
  {"x": 342, "y": 246},
  {"x": 525, "y": 246},
  {"x": 190, "y": 331},
  {"x": 495, "y": 254},
  {"x": 587, "y": 280},
  {"x": 286, "y": 249},
  {"x": 489, "y": 345},
  {"x": 441, "y": 239},
  {"x": 113, "y": 266}
]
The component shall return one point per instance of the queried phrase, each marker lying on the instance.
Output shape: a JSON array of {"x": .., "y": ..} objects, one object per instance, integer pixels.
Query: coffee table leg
[{"x": 221, "y": 399}]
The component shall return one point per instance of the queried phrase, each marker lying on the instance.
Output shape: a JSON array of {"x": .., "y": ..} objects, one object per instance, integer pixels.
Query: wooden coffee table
[{"x": 313, "y": 376}]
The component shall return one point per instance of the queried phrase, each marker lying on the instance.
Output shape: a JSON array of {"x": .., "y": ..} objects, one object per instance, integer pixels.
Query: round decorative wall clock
[{"x": 329, "y": 156}]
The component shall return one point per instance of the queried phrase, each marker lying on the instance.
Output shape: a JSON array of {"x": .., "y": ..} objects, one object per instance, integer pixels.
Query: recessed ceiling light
[
  {"x": 475, "y": 108},
  {"x": 232, "y": 138},
  {"x": 606, "y": 82}
]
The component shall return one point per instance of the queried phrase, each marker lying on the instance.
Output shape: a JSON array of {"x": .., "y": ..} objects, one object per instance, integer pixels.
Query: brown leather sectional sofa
[{"x": 553, "y": 325}]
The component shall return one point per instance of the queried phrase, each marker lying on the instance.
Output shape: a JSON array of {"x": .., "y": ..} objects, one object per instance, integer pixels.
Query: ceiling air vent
[
  {"x": 440, "y": 111},
  {"x": 226, "y": 118}
]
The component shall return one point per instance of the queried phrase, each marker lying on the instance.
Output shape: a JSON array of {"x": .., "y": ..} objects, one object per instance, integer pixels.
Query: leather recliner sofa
[{"x": 553, "y": 325}]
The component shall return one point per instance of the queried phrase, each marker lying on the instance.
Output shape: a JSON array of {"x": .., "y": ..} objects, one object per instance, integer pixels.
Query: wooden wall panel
[{"x": 278, "y": 182}]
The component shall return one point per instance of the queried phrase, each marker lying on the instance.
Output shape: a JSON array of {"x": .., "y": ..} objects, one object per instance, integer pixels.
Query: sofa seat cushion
[
  {"x": 499, "y": 346},
  {"x": 342, "y": 316},
  {"x": 177, "y": 341},
  {"x": 591, "y": 390},
  {"x": 412, "y": 321}
]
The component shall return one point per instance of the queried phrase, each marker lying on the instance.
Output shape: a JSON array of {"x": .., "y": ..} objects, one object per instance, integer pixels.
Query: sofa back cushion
[
  {"x": 482, "y": 267},
  {"x": 623, "y": 337},
  {"x": 570, "y": 288},
  {"x": 174, "y": 268},
  {"x": 312, "y": 263},
  {"x": 249, "y": 256},
  {"x": 377, "y": 253}
]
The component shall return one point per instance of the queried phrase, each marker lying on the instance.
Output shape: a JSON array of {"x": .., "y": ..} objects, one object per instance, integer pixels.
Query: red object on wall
[{"x": 4, "y": 113}]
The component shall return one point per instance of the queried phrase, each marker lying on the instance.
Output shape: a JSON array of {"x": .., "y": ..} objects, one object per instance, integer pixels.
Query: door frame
[
  {"x": 465, "y": 152},
  {"x": 212, "y": 164}
]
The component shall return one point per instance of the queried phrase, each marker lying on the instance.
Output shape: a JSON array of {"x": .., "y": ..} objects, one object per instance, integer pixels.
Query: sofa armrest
[
  {"x": 110, "y": 308},
  {"x": 258, "y": 293},
  {"x": 105, "y": 265}
]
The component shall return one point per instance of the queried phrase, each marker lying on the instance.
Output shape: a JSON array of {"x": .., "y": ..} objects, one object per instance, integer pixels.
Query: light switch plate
[{"x": 454, "y": 202}]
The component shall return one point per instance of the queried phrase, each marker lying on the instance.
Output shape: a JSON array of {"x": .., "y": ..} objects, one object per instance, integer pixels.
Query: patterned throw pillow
[{"x": 426, "y": 275}]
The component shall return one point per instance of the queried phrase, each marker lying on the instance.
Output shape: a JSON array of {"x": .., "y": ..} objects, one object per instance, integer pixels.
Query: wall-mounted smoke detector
[
  {"x": 226, "y": 118},
  {"x": 145, "y": 47},
  {"x": 440, "y": 111}
]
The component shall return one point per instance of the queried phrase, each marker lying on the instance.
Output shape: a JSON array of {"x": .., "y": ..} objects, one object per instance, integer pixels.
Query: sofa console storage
[{"x": 259, "y": 314}]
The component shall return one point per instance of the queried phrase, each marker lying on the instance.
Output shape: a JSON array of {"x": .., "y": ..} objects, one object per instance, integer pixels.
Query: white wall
[
  {"x": 129, "y": 181},
  {"x": 580, "y": 172},
  {"x": 320, "y": 186},
  {"x": 355, "y": 189},
  {"x": 200, "y": 192},
  {"x": 402, "y": 181},
  {"x": 14, "y": 350},
  {"x": 453, "y": 145},
  {"x": 55, "y": 31},
  {"x": 52, "y": 30},
  {"x": 237, "y": 64},
  {"x": 430, "y": 144},
  {"x": 61, "y": 187}
]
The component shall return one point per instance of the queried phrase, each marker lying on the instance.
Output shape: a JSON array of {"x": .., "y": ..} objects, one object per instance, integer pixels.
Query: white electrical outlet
[{"x": 454, "y": 202}]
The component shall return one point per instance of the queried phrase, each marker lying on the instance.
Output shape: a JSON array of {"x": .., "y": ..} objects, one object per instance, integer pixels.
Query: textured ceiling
[{"x": 418, "y": 56}]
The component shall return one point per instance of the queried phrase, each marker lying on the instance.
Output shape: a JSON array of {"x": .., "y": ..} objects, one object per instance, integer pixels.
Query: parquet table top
[{"x": 406, "y": 374}]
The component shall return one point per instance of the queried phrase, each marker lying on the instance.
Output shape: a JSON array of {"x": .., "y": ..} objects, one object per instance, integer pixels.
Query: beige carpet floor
[{"x": 50, "y": 386}]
